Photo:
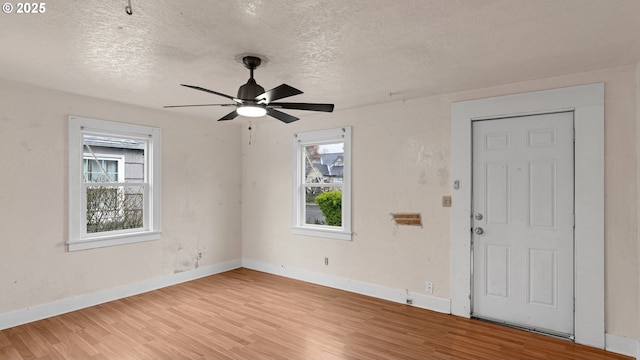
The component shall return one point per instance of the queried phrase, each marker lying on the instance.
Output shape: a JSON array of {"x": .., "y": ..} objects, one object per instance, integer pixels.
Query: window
[
  {"x": 114, "y": 183},
  {"x": 322, "y": 183},
  {"x": 97, "y": 166}
]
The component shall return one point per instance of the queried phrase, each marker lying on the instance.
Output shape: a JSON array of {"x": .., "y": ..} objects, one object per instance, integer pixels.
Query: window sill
[
  {"x": 112, "y": 240},
  {"x": 323, "y": 233}
]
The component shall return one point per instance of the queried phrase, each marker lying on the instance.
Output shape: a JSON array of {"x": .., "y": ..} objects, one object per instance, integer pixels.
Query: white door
[{"x": 523, "y": 222}]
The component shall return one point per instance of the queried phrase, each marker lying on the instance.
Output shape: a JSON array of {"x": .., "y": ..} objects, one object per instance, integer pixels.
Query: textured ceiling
[{"x": 348, "y": 52}]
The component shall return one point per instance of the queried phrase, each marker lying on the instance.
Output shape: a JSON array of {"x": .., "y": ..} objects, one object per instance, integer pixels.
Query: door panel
[
  {"x": 523, "y": 192},
  {"x": 497, "y": 193},
  {"x": 541, "y": 271},
  {"x": 497, "y": 271},
  {"x": 541, "y": 195}
]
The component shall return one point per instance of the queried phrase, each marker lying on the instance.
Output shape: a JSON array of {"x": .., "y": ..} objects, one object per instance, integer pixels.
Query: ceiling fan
[{"x": 253, "y": 101}]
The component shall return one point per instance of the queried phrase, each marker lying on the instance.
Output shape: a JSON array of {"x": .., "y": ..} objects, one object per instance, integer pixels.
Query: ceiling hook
[{"x": 128, "y": 8}]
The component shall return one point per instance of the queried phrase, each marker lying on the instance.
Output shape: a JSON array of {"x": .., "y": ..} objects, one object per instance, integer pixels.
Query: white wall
[
  {"x": 401, "y": 163},
  {"x": 200, "y": 197}
]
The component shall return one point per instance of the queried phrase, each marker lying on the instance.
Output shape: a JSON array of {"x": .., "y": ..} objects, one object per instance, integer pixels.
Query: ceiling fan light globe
[{"x": 252, "y": 111}]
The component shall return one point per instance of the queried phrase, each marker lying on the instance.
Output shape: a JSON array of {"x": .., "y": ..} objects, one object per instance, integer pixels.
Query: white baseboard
[
  {"x": 359, "y": 287},
  {"x": 622, "y": 345},
  {"x": 39, "y": 312}
]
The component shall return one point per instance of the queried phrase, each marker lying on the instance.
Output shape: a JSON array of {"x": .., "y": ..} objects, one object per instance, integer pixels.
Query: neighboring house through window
[
  {"x": 322, "y": 183},
  {"x": 114, "y": 183}
]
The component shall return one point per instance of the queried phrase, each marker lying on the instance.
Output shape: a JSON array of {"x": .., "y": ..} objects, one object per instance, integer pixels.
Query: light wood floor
[{"x": 244, "y": 314}]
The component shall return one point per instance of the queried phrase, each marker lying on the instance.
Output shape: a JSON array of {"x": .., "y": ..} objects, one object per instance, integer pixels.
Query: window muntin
[
  {"x": 114, "y": 183},
  {"x": 322, "y": 205}
]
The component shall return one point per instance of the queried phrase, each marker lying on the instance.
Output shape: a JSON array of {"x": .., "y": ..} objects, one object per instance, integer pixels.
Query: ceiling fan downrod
[{"x": 251, "y": 89}]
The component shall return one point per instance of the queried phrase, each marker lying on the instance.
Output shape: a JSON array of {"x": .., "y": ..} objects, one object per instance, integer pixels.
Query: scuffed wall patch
[{"x": 185, "y": 260}]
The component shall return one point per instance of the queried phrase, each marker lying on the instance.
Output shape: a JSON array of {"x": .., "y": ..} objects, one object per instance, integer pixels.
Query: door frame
[{"x": 587, "y": 104}]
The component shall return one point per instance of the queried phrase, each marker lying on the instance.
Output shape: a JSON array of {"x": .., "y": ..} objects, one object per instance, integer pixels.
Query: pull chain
[{"x": 128, "y": 8}]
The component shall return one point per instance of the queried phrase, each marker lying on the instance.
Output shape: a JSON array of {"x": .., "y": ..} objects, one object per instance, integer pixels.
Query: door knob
[{"x": 478, "y": 230}]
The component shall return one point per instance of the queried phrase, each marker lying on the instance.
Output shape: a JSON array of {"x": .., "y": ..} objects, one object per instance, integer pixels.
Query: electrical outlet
[
  {"x": 409, "y": 301},
  {"x": 326, "y": 261},
  {"x": 429, "y": 287},
  {"x": 199, "y": 255}
]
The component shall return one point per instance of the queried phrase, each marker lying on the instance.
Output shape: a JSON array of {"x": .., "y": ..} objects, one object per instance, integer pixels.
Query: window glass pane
[
  {"x": 324, "y": 163},
  {"x": 101, "y": 159},
  {"x": 112, "y": 208},
  {"x": 323, "y": 206},
  {"x": 111, "y": 167}
]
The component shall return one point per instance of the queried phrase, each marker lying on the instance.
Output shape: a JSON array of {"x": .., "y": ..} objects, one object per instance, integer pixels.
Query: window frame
[
  {"x": 78, "y": 238},
  {"x": 320, "y": 137}
]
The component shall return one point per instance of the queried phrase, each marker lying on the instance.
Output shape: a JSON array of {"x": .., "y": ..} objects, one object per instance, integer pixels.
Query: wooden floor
[{"x": 244, "y": 314}]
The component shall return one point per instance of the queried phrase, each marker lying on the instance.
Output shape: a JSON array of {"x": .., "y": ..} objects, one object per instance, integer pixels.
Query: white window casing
[{"x": 149, "y": 187}]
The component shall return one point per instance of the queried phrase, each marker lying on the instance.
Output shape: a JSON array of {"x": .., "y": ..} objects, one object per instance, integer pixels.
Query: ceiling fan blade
[
  {"x": 286, "y": 118},
  {"x": 177, "y": 106},
  {"x": 279, "y": 92},
  {"x": 303, "y": 106},
  {"x": 230, "y": 116},
  {"x": 212, "y": 92}
]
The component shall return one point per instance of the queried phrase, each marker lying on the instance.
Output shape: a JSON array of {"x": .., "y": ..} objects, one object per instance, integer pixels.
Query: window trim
[
  {"x": 78, "y": 126},
  {"x": 319, "y": 137}
]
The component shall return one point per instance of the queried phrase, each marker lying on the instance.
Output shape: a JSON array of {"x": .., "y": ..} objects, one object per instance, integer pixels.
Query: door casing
[{"x": 587, "y": 103}]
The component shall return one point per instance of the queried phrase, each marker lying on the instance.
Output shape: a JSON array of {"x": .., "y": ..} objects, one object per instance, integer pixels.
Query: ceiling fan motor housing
[{"x": 250, "y": 90}]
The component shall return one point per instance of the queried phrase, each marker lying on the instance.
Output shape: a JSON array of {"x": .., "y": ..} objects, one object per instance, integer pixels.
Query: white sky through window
[{"x": 331, "y": 148}]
